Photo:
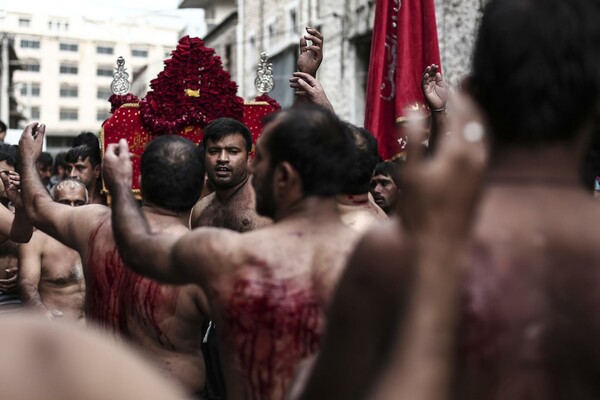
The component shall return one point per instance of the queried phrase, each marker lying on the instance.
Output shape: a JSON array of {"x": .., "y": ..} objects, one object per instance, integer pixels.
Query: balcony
[{"x": 196, "y": 3}]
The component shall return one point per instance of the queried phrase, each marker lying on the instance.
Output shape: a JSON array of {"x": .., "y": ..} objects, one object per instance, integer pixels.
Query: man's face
[
  {"x": 262, "y": 177},
  {"x": 83, "y": 171},
  {"x": 45, "y": 172},
  {"x": 385, "y": 192},
  {"x": 4, "y": 167},
  {"x": 226, "y": 161},
  {"x": 70, "y": 193}
]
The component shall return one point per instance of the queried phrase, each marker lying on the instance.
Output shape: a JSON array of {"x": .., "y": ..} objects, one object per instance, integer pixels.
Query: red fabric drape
[{"x": 404, "y": 42}]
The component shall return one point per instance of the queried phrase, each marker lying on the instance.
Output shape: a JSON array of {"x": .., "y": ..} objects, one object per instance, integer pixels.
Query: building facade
[
  {"x": 275, "y": 26},
  {"x": 67, "y": 65}
]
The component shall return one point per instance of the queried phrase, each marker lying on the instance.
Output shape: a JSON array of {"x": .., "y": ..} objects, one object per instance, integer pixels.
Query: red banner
[{"x": 404, "y": 43}]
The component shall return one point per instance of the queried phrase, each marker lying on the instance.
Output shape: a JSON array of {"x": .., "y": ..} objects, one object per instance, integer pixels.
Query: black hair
[
  {"x": 172, "y": 173},
  {"x": 90, "y": 140},
  {"x": 535, "y": 68},
  {"x": 9, "y": 153},
  {"x": 45, "y": 159},
  {"x": 316, "y": 143},
  {"x": 221, "y": 127},
  {"x": 60, "y": 160},
  {"x": 3, "y": 127},
  {"x": 359, "y": 176},
  {"x": 82, "y": 152}
]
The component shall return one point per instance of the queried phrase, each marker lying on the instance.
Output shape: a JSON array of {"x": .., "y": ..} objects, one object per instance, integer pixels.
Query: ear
[
  {"x": 98, "y": 171},
  {"x": 286, "y": 177}
]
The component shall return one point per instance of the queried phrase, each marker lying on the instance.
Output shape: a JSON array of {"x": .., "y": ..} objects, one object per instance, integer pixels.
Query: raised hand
[
  {"x": 117, "y": 166},
  {"x": 31, "y": 143},
  {"x": 434, "y": 88},
  {"x": 439, "y": 195},
  {"x": 310, "y": 88},
  {"x": 311, "y": 56},
  {"x": 12, "y": 186}
]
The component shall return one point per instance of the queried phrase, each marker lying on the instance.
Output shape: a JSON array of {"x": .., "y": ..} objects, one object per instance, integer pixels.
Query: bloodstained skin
[
  {"x": 272, "y": 325},
  {"x": 116, "y": 296}
]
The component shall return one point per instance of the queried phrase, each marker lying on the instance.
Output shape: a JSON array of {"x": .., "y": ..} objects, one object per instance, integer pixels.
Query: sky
[{"x": 117, "y": 9}]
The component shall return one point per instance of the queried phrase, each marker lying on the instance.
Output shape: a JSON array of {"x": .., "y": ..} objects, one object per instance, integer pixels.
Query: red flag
[{"x": 404, "y": 43}]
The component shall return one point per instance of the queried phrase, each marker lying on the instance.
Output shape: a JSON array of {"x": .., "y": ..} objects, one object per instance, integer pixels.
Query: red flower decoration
[
  {"x": 117, "y": 101},
  {"x": 265, "y": 97},
  {"x": 192, "y": 90}
]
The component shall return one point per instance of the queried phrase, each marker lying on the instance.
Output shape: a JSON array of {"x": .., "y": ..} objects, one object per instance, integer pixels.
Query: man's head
[
  {"x": 3, "y": 129},
  {"x": 359, "y": 176},
  {"x": 71, "y": 192},
  {"x": 60, "y": 166},
  {"x": 44, "y": 167},
  {"x": 384, "y": 186},
  {"x": 83, "y": 165},
  {"x": 302, "y": 152},
  {"x": 90, "y": 140},
  {"x": 171, "y": 173},
  {"x": 226, "y": 145},
  {"x": 538, "y": 84},
  {"x": 8, "y": 161}
]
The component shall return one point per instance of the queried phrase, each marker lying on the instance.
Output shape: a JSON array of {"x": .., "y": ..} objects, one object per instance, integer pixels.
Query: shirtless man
[
  {"x": 529, "y": 321},
  {"x": 51, "y": 276},
  {"x": 164, "y": 321},
  {"x": 226, "y": 145},
  {"x": 385, "y": 186},
  {"x": 269, "y": 288}
]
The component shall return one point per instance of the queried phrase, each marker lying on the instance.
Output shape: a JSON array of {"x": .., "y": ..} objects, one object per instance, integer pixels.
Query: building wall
[
  {"x": 347, "y": 26},
  {"x": 140, "y": 42}
]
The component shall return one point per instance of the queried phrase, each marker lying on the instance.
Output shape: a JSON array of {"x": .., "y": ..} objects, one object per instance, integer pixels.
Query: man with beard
[
  {"x": 50, "y": 274},
  {"x": 268, "y": 289},
  {"x": 164, "y": 321},
  {"x": 226, "y": 146}
]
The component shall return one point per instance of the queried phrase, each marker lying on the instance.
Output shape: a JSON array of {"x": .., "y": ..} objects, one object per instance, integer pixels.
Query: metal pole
[{"x": 4, "y": 93}]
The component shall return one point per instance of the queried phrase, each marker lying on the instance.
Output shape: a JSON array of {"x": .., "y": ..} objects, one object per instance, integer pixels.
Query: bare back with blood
[
  {"x": 163, "y": 320},
  {"x": 271, "y": 310}
]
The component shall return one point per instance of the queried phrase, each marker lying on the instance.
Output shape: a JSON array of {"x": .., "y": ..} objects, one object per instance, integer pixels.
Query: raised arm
[
  {"x": 435, "y": 92},
  {"x": 18, "y": 225},
  {"x": 183, "y": 259},
  {"x": 440, "y": 203},
  {"x": 70, "y": 225}
]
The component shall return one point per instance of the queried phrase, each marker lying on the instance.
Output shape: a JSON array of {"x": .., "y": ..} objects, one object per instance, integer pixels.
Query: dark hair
[
  {"x": 535, "y": 68},
  {"x": 45, "y": 159},
  {"x": 389, "y": 169},
  {"x": 222, "y": 127},
  {"x": 358, "y": 178},
  {"x": 90, "y": 140},
  {"x": 172, "y": 173},
  {"x": 316, "y": 143},
  {"x": 82, "y": 152},
  {"x": 60, "y": 160},
  {"x": 3, "y": 127},
  {"x": 9, "y": 153}
]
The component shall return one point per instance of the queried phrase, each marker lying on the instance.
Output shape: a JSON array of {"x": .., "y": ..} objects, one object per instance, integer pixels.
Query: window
[
  {"x": 69, "y": 47},
  {"x": 104, "y": 71},
  {"x": 30, "y": 44},
  {"x": 101, "y": 115},
  {"x": 68, "y": 69},
  {"x": 33, "y": 87},
  {"x": 24, "y": 22},
  {"x": 31, "y": 66},
  {"x": 68, "y": 114},
  {"x": 35, "y": 113},
  {"x": 293, "y": 20},
  {"x": 105, "y": 50},
  {"x": 69, "y": 91},
  {"x": 139, "y": 53},
  {"x": 103, "y": 93}
]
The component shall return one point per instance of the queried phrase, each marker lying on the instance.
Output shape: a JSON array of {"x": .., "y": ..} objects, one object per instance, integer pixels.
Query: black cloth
[{"x": 215, "y": 383}]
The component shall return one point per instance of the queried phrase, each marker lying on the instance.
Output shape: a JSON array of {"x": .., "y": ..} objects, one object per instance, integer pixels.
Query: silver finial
[
  {"x": 120, "y": 84},
  {"x": 264, "y": 81}
]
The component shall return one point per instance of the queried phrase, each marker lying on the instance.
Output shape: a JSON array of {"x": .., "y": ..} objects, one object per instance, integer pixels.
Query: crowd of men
[{"x": 468, "y": 269}]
